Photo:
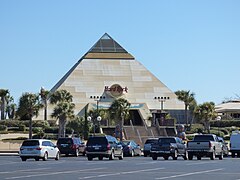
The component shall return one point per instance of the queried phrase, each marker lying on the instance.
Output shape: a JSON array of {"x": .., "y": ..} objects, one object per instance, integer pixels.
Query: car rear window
[
  {"x": 97, "y": 140},
  {"x": 151, "y": 141},
  {"x": 203, "y": 138},
  {"x": 166, "y": 140},
  {"x": 65, "y": 141},
  {"x": 30, "y": 143}
]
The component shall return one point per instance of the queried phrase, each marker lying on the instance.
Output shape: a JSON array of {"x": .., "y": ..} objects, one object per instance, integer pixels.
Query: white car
[{"x": 38, "y": 149}]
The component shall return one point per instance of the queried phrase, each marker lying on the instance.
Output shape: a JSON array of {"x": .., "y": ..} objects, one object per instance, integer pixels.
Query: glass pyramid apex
[{"x": 106, "y": 44}]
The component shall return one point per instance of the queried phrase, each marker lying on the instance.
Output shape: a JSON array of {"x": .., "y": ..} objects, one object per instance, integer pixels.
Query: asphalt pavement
[{"x": 76, "y": 168}]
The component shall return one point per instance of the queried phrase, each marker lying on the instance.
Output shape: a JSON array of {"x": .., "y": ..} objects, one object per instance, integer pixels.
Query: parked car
[
  {"x": 225, "y": 147},
  {"x": 147, "y": 146},
  {"x": 169, "y": 146},
  {"x": 235, "y": 143},
  {"x": 103, "y": 146},
  {"x": 71, "y": 145},
  {"x": 131, "y": 148},
  {"x": 206, "y": 145},
  {"x": 38, "y": 149}
]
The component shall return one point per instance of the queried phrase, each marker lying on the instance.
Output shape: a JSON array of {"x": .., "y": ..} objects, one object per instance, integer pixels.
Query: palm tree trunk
[
  {"x": 62, "y": 124},
  {"x": 186, "y": 115},
  {"x": 2, "y": 108},
  {"x": 30, "y": 128}
]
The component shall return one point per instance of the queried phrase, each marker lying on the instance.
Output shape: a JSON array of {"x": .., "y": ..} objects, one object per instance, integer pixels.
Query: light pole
[
  {"x": 44, "y": 93},
  {"x": 218, "y": 119},
  {"x": 90, "y": 119}
]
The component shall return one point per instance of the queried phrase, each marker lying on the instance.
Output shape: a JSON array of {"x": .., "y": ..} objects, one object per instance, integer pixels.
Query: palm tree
[
  {"x": 44, "y": 97},
  {"x": 3, "y": 95},
  {"x": 10, "y": 107},
  {"x": 63, "y": 110},
  {"x": 119, "y": 110},
  {"x": 204, "y": 113},
  {"x": 29, "y": 106},
  {"x": 187, "y": 98}
]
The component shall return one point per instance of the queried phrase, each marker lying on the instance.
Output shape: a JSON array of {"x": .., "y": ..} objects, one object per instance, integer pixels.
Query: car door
[
  {"x": 51, "y": 149},
  {"x": 180, "y": 145}
]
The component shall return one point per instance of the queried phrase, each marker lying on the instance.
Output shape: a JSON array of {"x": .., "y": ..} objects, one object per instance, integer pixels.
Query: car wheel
[
  {"x": 90, "y": 158},
  {"x": 175, "y": 154},
  {"x": 36, "y": 159},
  {"x": 45, "y": 157},
  {"x": 233, "y": 154},
  {"x": 185, "y": 157},
  {"x": 199, "y": 157},
  {"x": 221, "y": 156},
  {"x": 154, "y": 157},
  {"x": 111, "y": 157},
  {"x": 212, "y": 157},
  {"x": 23, "y": 158},
  {"x": 121, "y": 156},
  {"x": 132, "y": 153},
  {"x": 190, "y": 157},
  {"x": 145, "y": 154},
  {"x": 57, "y": 156},
  {"x": 165, "y": 157},
  {"x": 77, "y": 153},
  {"x": 238, "y": 155},
  {"x": 100, "y": 158}
]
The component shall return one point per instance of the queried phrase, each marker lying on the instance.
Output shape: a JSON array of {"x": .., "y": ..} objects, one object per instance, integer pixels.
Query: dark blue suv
[{"x": 103, "y": 146}]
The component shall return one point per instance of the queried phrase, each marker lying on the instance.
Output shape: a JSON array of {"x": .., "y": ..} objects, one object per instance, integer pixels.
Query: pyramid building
[{"x": 106, "y": 72}]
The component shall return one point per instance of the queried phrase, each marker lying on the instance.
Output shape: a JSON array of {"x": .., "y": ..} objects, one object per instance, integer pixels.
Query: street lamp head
[
  {"x": 99, "y": 118},
  {"x": 89, "y": 118}
]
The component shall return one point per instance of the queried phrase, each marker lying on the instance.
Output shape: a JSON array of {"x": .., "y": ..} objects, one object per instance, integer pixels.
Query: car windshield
[
  {"x": 31, "y": 143},
  {"x": 96, "y": 140},
  {"x": 65, "y": 141},
  {"x": 166, "y": 140}
]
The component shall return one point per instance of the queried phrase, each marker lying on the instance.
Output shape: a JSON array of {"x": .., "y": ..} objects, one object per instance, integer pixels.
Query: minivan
[{"x": 235, "y": 143}]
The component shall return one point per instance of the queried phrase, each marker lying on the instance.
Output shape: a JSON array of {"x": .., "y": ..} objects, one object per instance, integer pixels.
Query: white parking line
[
  {"x": 53, "y": 173},
  {"x": 198, "y": 163},
  {"x": 189, "y": 174},
  {"x": 22, "y": 170},
  {"x": 120, "y": 173},
  {"x": 146, "y": 163}
]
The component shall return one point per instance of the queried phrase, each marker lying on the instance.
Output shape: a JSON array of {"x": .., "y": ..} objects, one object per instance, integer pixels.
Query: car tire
[
  {"x": 36, "y": 158},
  {"x": 23, "y": 158},
  {"x": 111, "y": 157},
  {"x": 185, "y": 157},
  {"x": 57, "y": 156},
  {"x": 45, "y": 156},
  {"x": 165, "y": 157},
  {"x": 77, "y": 153},
  {"x": 100, "y": 158},
  {"x": 145, "y": 154},
  {"x": 199, "y": 157},
  {"x": 121, "y": 156},
  {"x": 190, "y": 157},
  {"x": 154, "y": 157},
  {"x": 175, "y": 155},
  {"x": 212, "y": 157},
  {"x": 233, "y": 154},
  {"x": 90, "y": 158}
]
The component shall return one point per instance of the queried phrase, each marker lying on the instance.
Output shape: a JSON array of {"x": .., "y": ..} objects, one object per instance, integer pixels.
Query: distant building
[
  {"x": 106, "y": 72},
  {"x": 229, "y": 109}
]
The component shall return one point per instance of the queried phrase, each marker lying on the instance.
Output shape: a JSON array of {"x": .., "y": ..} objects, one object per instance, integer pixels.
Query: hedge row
[
  {"x": 18, "y": 123},
  {"x": 225, "y": 123}
]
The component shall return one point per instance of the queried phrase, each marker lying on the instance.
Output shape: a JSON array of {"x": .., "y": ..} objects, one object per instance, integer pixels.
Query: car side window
[{"x": 45, "y": 143}]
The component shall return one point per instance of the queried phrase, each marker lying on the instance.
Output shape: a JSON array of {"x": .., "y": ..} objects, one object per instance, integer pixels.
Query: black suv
[
  {"x": 71, "y": 146},
  {"x": 169, "y": 146},
  {"x": 103, "y": 146}
]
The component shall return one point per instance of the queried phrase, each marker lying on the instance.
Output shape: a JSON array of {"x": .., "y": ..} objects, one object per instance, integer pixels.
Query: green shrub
[
  {"x": 3, "y": 128},
  {"x": 37, "y": 130},
  {"x": 195, "y": 128},
  {"x": 225, "y": 123},
  {"x": 218, "y": 133},
  {"x": 53, "y": 130},
  {"x": 22, "y": 128}
]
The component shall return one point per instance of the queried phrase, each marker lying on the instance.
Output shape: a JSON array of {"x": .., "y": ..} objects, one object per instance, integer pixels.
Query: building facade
[{"x": 106, "y": 72}]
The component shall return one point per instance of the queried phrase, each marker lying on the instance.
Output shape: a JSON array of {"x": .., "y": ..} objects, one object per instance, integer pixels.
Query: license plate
[{"x": 96, "y": 148}]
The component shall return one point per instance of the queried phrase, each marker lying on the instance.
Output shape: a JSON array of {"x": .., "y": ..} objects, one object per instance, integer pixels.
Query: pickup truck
[
  {"x": 168, "y": 147},
  {"x": 207, "y": 145}
]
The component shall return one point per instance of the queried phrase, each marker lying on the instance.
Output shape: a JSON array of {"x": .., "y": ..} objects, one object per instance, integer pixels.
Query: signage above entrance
[{"x": 115, "y": 90}]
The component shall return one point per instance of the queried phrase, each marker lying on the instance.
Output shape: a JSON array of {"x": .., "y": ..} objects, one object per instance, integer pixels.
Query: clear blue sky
[{"x": 189, "y": 45}]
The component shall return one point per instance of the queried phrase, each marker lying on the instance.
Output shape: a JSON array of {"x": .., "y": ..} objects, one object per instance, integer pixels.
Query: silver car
[{"x": 38, "y": 149}]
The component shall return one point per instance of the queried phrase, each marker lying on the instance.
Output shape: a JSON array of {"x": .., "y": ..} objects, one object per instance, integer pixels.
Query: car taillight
[
  {"x": 108, "y": 147},
  {"x": 38, "y": 148},
  {"x": 210, "y": 144}
]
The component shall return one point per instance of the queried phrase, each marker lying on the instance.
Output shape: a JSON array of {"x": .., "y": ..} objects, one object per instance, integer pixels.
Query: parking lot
[{"x": 11, "y": 167}]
